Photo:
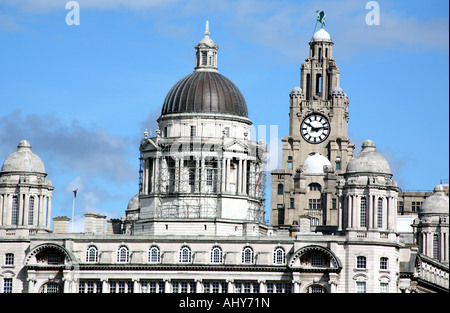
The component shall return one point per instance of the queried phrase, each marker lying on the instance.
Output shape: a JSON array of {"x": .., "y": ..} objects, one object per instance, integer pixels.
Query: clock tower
[{"x": 316, "y": 151}]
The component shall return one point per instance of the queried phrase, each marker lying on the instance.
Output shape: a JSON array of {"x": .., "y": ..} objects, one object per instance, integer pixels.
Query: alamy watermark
[
  {"x": 373, "y": 17},
  {"x": 73, "y": 17}
]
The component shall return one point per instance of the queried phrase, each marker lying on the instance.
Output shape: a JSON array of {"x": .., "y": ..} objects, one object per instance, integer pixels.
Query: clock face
[{"x": 315, "y": 128}]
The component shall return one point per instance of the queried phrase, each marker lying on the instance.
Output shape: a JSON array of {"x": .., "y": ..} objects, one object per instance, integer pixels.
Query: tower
[
  {"x": 201, "y": 173},
  {"x": 318, "y": 134},
  {"x": 25, "y": 193}
]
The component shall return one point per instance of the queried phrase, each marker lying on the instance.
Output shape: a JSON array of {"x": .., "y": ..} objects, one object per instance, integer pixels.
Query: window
[
  {"x": 400, "y": 207},
  {"x": 191, "y": 176},
  {"x": 289, "y": 162},
  {"x": 314, "y": 204},
  {"x": 316, "y": 260},
  {"x": 338, "y": 163},
  {"x": 361, "y": 287},
  {"x": 314, "y": 221},
  {"x": 334, "y": 203},
  {"x": 380, "y": 212},
  {"x": 123, "y": 255},
  {"x": 363, "y": 213},
  {"x": 280, "y": 189},
  {"x": 31, "y": 211},
  {"x": 91, "y": 254},
  {"x": 193, "y": 131},
  {"x": 384, "y": 263},
  {"x": 435, "y": 246},
  {"x": 226, "y": 132},
  {"x": 248, "y": 255},
  {"x": 15, "y": 211},
  {"x": 9, "y": 259},
  {"x": 279, "y": 256},
  {"x": 185, "y": 255},
  {"x": 7, "y": 285},
  {"x": 384, "y": 287},
  {"x": 154, "y": 255},
  {"x": 415, "y": 206},
  {"x": 316, "y": 289},
  {"x": 209, "y": 177},
  {"x": 50, "y": 288},
  {"x": 204, "y": 58},
  {"x": 291, "y": 203},
  {"x": 216, "y": 255},
  {"x": 361, "y": 262},
  {"x": 315, "y": 186}
]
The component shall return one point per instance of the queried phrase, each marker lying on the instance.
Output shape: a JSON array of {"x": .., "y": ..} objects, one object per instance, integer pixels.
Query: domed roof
[
  {"x": 437, "y": 203},
  {"x": 321, "y": 35},
  {"x": 134, "y": 203},
  {"x": 205, "y": 92},
  {"x": 368, "y": 161},
  {"x": 23, "y": 160},
  {"x": 315, "y": 163},
  {"x": 296, "y": 91}
]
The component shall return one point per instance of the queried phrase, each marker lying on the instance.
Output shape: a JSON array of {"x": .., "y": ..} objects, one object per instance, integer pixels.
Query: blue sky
[{"x": 83, "y": 95}]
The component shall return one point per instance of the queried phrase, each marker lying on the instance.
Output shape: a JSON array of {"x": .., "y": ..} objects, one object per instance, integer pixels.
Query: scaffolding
[{"x": 191, "y": 178}]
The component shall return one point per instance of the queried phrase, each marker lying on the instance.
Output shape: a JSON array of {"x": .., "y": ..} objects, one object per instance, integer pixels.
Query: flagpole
[
  {"x": 73, "y": 205},
  {"x": 73, "y": 209}
]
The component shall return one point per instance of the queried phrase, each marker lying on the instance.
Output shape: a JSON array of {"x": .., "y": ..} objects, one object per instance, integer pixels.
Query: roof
[
  {"x": 23, "y": 160},
  {"x": 205, "y": 92}
]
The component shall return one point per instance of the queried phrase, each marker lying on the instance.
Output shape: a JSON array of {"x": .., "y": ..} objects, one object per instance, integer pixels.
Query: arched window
[
  {"x": 15, "y": 211},
  {"x": 154, "y": 254},
  {"x": 31, "y": 211},
  {"x": 363, "y": 213},
  {"x": 123, "y": 255},
  {"x": 380, "y": 213},
  {"x": 279, "y": 256},
  {"x": 185, "y": 255},
  {"x": 248, "y": 256},
  {"x": 92, "y": 254},
  {"x": 316, "y": 289},
  {"x": 315, "y": 187},
  {"x": 216, "y": 255},
  {"x": 280, "y": 189}
]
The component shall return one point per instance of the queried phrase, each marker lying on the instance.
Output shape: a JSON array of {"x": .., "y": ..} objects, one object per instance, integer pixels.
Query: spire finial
[{"x": 207, "y": 29}]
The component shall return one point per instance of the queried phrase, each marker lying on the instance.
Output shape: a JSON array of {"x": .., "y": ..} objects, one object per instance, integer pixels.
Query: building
[{"x": 197, "y": 223}]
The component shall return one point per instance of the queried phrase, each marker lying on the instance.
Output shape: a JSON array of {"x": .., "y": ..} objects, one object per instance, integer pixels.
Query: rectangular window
[
  {"x": 191, "y": 176},
  {"x": 204, "y": 58},
  {"x": 400, "y": 207},
  {"x": 15, "y": 211},
  {"x": 361, "y": 262},
  {"x": 384, "y": 287},
  {"x": 384, "y": 263},
  {"x": 121, "y": 286},
  {"x": 380, "y": 213},
  {"x": 363, "y": 213},
  {"x": 9, "y": 259},
  {"x": 90, "y": 286},
  {"x": 226, "y": 132},
  {"x": 314, "y": 204},
  {"x": 193, "y": 131},
  {"x": 112, "y": 286},
  {"x": 269, "y": 287},
  {"x": 435, "y": 246},
  {"x": 334, "y": 203},
  {"x": 415, "y": 206},
  {"x": 209, "y": 176},
  {"x": 184, "y": 287},
  {"x": 316, "y": 260},
  {"x": 361, "y": 287},
  {"x": 291, "y": 203},
  {"x": 7, "y": 285},
  {"x": 30, "y": 211}
]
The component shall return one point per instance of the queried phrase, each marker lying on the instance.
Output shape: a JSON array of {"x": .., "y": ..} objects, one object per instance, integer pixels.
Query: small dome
[
  {"x": 368, "y": 161},
  {"x": 134, "y": 203},
  {"x": 23, "y": 160},
  {"x": 321, "y": 35},
  {"x": 315, "y": 163},
  {"x": 337, "y": 91},
  {"x": 297, "y": 91},
  {"x": 437, "y": 203},
  {"x": 205, "y": 92}
]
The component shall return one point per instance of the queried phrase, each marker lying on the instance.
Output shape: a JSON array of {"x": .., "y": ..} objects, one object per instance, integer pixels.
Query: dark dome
[{"x": 205, "y": 92}]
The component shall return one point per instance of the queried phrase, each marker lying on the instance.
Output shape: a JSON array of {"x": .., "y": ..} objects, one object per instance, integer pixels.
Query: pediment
[{"x": 237, "y": 146}]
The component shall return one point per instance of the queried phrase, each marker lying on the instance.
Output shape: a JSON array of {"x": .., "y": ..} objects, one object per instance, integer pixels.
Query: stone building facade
[{"x": 196, "y": 226}]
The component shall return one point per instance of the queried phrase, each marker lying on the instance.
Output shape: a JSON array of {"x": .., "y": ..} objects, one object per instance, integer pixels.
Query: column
[
  {"x": 105, "y": 286},
  {"x": 197, "y": 175},
  {"x": 228, "y": 172},
  {"x": 167, "y": 288},
  {"x": 198, "y": 286},
  {"x": 239, "y": 177},
  {"x": 230, "y": 286},
  {"x": 26, "y": 209},
  {"x": 371, "y": 220},
  {"x": 262, "y": 286},
  {"x": 296, "y": 286},
  {"x": 49, "y": 211},
  {"x": 244, "y": 182},
  {"x": 145, "y": 177},
  {"x": 339, "y": 213},
  {"x": 20, "y": 209},
  {"x": 156, "y": 181},
  {"x": 136, "y": 286},
  {"x": 224, "y": 165},
  {"x": 1, "y": 209}
]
